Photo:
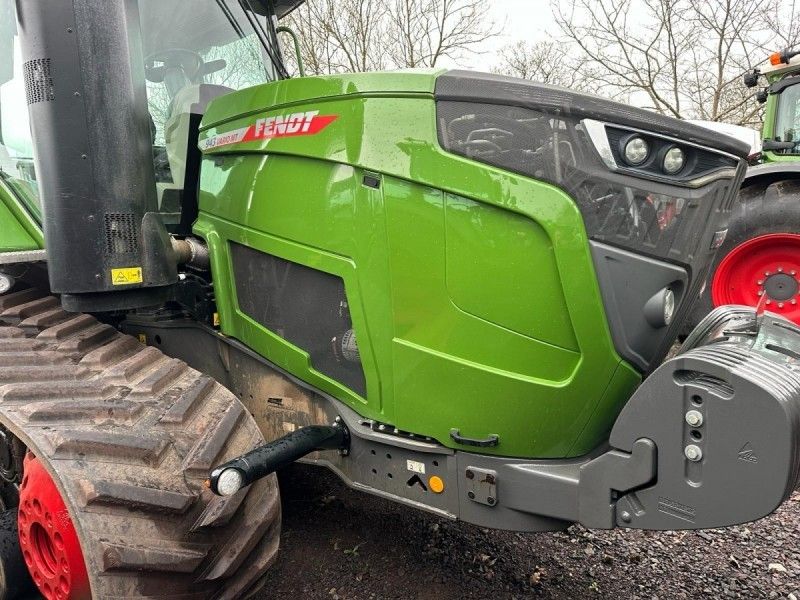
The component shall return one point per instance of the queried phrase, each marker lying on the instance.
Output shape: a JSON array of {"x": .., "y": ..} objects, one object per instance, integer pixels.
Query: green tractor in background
[
  {"x": 455, "y": 290},
  {"x": 759, "y": 262}
]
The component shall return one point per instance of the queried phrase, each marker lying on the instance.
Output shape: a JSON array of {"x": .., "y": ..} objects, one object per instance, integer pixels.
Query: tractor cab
[{"x": 219, "y": 47}]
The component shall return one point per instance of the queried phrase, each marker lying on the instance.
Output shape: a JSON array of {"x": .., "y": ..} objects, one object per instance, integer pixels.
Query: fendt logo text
[{"x": 294, "y": 124}]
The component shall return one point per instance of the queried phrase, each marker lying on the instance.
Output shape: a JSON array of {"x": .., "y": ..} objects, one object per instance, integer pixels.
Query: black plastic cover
[
  {"x": 469, "y": 86},
  {"x": 86, "y": 97}
]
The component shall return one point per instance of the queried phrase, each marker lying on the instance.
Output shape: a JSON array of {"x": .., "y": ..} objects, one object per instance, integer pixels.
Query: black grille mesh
[
  {"x": 38, "y": 81},
  {"x": 121, "y": 233}
]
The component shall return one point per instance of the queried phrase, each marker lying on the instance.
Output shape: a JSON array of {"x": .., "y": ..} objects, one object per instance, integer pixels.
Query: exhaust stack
[{"x": 84, "y": 77}]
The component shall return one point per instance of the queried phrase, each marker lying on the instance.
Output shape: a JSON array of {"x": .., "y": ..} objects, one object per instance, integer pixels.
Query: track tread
[{"x": 129, "y": 435}]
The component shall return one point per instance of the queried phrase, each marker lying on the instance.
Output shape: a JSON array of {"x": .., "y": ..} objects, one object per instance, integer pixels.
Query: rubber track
[{"x": 129, "y": 435}]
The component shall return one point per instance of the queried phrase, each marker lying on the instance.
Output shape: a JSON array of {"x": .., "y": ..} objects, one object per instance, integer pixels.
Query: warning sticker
[
  {"x": 415, "y": 467},
  {"x": 126, "y": 276}
]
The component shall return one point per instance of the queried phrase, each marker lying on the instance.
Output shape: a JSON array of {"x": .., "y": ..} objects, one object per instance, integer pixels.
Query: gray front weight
[{"x": 725, "y": 418}]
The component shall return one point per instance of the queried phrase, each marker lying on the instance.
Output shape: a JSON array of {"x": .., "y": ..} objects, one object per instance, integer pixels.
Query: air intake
[{"x": 84, "y": 75}]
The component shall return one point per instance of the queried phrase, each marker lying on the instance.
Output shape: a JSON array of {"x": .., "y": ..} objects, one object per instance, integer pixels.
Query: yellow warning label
[
  {"x": 142, "y": 338},
  {"x": 126, "y": 276},
  {"x": 216, "y": 319}
]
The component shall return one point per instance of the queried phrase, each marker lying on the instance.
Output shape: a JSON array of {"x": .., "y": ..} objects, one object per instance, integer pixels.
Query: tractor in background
[{"x": 759, "y": 262}]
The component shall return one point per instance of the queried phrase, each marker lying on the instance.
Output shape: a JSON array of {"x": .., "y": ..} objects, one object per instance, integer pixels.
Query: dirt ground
[{"x": 338, "y": 544}]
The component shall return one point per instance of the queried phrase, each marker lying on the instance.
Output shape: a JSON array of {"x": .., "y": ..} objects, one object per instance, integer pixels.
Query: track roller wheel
[
  {"x": 767, "y": 266},
  {"x": 121, "y": 440},
  {"x": 48, "y": 538}
]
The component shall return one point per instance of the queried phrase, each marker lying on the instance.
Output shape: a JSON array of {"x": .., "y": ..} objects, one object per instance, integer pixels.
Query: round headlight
[
  {"x": 669, "y": 306},
  {"x": 674, "y": 160},
  {"x": 229, "y": 482},
  {"x": 6, "y": 283},
  {"x": 636, "y": 151}
]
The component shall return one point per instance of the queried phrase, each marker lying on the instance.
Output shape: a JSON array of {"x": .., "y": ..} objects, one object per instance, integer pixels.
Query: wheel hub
[
  {"x": 781, "y": 287},
  {"x": 763, "y": 269},
  {"x": 48, "y": 538}
]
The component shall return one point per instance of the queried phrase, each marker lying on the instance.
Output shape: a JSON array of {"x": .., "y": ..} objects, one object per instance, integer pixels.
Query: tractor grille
[{"x": 121, "y": 235}]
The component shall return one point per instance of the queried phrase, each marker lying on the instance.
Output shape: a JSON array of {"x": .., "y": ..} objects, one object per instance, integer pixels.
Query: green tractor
[
  {"x": 759, "y": 262},
  {"x": 455, "y": 290}
]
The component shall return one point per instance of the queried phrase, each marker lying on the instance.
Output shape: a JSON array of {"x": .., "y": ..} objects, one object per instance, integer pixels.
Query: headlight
[
  {"x": 674, "y": 159},
  {"x": 669, "y": 306},
  {"x": 660, "y": 309},
  {"x": 636, "y": 151},
  {"x": 230, "y": 481}
]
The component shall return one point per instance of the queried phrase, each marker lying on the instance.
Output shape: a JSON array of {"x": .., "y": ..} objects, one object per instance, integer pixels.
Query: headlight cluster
[
  {"x": 659, "y": 157},
  {"x": 636, "y": 151}
]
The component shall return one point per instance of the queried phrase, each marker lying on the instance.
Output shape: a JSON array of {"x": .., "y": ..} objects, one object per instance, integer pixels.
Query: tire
[
  {"x": 761, "y": 209},
  {"x": 128, "y": 435}
]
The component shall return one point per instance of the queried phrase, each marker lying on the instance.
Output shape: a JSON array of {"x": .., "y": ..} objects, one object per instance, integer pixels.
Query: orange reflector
[
  {"x": 436, "y": 484},
  {"x": 775, "y": 59}
]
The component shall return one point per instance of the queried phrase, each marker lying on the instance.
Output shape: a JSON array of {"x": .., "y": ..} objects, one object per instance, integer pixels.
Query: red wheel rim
[
  {"x": 48, "y": 538},
  {"x": 765, "y": 266}
]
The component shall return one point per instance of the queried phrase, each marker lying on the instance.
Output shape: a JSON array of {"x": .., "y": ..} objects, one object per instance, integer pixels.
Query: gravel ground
[{"x": 338, "y": 544}]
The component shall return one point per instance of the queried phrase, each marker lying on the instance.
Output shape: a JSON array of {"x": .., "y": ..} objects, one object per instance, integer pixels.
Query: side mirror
[{"x": 750, "y": 79}]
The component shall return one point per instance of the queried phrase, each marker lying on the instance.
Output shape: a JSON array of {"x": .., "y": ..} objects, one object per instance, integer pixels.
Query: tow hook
[{"x": 229, "y": 478}]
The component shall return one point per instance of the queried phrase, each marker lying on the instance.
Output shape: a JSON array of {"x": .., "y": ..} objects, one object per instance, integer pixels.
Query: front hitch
[{"x": 229, "y": 478}]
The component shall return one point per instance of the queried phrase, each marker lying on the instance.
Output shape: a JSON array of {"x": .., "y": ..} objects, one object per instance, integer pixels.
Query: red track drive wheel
[
  {"x": 48, "y": 538},
  {"x": 768, "y": 265}
]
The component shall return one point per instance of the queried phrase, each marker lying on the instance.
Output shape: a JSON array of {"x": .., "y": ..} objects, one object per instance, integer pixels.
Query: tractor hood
[
  {"x": 464, "y": 86},
  {"x": 284, "y": 93},
  {"x": 468, "y": 86}
]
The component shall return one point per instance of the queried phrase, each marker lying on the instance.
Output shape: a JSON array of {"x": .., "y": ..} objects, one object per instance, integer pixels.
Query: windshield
[
  {"x": 16, "y": 147},
  {"x": 216, "y": 43},
  {"x": 787, "y": 121},
  {"x": 194, "y": 52}
]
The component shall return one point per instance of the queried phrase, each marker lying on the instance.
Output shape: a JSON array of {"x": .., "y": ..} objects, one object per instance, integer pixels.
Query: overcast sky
[{"x": 521, "y": 20}]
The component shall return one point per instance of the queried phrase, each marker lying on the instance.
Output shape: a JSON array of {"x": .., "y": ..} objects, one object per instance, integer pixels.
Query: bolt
[
  {"x": 381, "y": 427},
  {"x": 794, "y": 301},
  {"x": 768, "y": 301},
  {"x": 84, "y": 156},
  {"x": 69, "y": 29},
  {"x": 471, "y": 495},
  {"x": 470, "y": 474},
  {"x": 760, "y": 282},
  {"x": 626, "y": 516},
  {"x": 766, "y": 273},
  {"x": 490, "y": 501},
  {"x": 396, "y": 431},
  {"x": 780, "y": 269},
  {"x": 490, "y": 479},
  {"x": 792, "y": 273},
  {"x": 694, "y": 418},
  {"x": 760, "y": 292},
  {"x": 338, "y": 419},
  {"x": 780, "y": 304},
  {"x": 693, "y": 453}
]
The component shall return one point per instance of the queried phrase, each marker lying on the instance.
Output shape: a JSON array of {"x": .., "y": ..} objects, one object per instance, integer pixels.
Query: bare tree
[
  {"x": 423, "y": 31},
  {"x": 546, "y": 61},
  {"x": 369, "y": 35},
  {"x": 679, "y": 57}
]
